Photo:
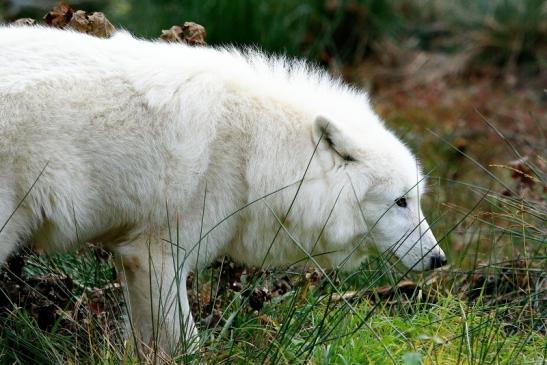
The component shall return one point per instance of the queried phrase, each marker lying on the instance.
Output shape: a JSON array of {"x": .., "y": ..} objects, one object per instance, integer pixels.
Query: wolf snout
[{"x": 438, "y": 260}]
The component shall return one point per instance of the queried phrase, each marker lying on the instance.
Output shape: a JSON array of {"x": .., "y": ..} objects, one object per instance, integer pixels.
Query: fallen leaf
[
  {"x": 95, "y": 24},
  {"x": 59, "y": 16},
  {"x": 172, "y": 34},
  {"x": 521, "y": 172},
  {"x": 258, "y": 297},
  {"x": 189, "y": 33},
  {"x": 193, "y": 33}
]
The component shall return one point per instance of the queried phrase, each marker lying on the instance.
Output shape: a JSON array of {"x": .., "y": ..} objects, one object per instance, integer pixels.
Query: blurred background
[{"x": 506, "y": 33}]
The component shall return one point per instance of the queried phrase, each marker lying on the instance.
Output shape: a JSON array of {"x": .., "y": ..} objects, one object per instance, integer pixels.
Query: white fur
[{"x": 152, "y": 149}]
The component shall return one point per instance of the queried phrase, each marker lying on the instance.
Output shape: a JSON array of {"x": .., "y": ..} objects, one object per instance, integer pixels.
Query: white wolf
[{"x": 170, "y": 156}]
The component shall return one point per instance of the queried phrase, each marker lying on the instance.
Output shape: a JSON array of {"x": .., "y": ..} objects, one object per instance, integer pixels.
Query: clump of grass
[{"x": 60, "y": 308}]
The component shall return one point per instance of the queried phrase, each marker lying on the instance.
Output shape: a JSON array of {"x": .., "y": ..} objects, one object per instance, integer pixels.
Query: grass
[
  {"x": 310, "y": 324},
  {"x": 449, "y": 332},
  {"x": 481, "y": 310}
]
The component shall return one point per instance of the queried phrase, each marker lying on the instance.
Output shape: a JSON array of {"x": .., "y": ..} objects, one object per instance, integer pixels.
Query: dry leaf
[
  {"x": 258, "y": 297},
  {"x": 101, "y": 25},
  {"x": 521, "y": 172},
  {"x": 345, "y": 297},
  {"x": 59, "y": 16},
  {"x": 172, "y": 34},
  {"x": 193, "y": 33},
  {"x": 190, "y": 33},
  {"x": 94, "y": 24}
]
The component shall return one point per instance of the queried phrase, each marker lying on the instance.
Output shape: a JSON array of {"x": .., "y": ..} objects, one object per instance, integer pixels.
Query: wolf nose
[{"x": 438, "y": 261}]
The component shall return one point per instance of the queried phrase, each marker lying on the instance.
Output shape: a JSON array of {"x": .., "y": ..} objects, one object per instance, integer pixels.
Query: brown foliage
[
  {"x": 65, "y": 17},
  {"x": 94, "y": 23},
  {"x": 189, "y": 33},
  {"x": 59, "y": 16}
]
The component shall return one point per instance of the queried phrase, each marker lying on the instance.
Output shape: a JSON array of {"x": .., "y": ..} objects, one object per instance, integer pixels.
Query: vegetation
[
  {"x": 498, "y": 31},
  {"x": 461, "y": 82}
]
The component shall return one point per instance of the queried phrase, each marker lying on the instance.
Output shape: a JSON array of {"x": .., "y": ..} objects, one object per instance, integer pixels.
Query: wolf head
[
  {"x": 334, "y": 180},
  {"x": 378, "y": 185},
  {"x": 328, "y": 197}
]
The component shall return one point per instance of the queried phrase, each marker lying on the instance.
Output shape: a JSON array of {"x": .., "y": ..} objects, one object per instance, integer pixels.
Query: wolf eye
[{"x": 401, "y": 202}]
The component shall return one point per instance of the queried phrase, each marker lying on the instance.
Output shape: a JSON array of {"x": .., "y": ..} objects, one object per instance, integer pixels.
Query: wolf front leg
[
  {"x": 156, "y": 297},
  {"x": 15, "y": 222}
]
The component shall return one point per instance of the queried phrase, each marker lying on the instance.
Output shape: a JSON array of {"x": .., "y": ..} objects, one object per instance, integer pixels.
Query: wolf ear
[{"x": 327, "y": 133}]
